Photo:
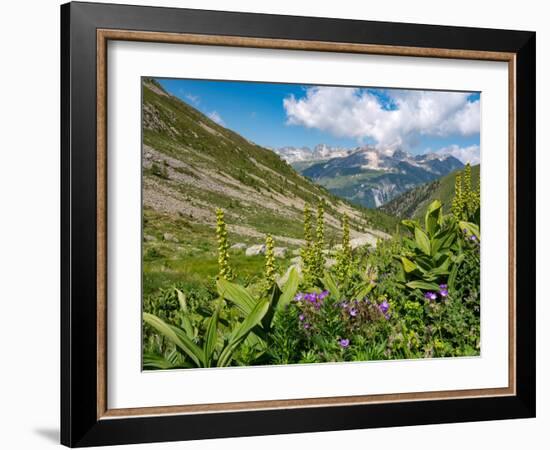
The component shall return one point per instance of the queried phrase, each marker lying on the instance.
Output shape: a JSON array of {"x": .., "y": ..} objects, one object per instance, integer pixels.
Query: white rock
[
  {"x": 366, "y": 239},
  {"x": 297, "y": 260},
  {"x": 255, "y": 250},
  {"x": 238, "y": 246},
  {"x": 169, "y": 237},
  {"x": 280, "y": 252}
]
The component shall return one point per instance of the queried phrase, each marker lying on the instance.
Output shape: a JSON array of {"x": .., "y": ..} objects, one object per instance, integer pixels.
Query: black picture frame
[{"x": 80, "y": 425}]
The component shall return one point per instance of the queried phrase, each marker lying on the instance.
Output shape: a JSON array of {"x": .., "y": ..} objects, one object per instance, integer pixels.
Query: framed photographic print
[{"x": 276, "y": 224}]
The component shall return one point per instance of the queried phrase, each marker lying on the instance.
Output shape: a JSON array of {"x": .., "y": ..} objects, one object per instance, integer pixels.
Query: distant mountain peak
[
  {"x": 372, "y": 176},
  {"x": 319, "y": 152}
]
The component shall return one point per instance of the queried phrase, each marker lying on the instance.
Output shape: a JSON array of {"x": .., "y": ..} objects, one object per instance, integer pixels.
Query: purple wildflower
[
  {"x": 353, "y": 312},
  {"x": 344, "y": 343},
  {"x": 344, "y": 305},
  {"x": 301, "y": 317},
  {"x": 306, "y": 326},
  {"x": 384, "y": 307},
  {"x": 430, "y": 296},
  {"x": 443, "y": 291},
  {"x": 465, "y": 231},
  {"x": 299, "y": 297},
  {"x": 473, "y": 238},
  {"x": 323, "y": 295}
]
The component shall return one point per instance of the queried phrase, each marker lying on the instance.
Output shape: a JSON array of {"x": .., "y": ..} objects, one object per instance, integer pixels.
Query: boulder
[
  {"x": 280, "y": 252},
  {"x": 297, "y": 261},
  {"x": 255, "y": 250},
  {"x": 366, "y": 239},
  {"x": 169, "y": 237},
  {"x": 238, "y": 246}
]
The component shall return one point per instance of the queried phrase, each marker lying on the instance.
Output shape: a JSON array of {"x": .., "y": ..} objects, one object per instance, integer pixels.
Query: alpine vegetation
[{"x": 249, "y": 260}]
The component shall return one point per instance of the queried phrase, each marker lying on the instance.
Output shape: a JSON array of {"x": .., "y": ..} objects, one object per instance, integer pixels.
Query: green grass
[{"x": 193, "y": 259}]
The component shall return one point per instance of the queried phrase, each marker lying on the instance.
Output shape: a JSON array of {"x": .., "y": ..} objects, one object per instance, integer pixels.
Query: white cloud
[
  {"x": 464, "y": 154},
  {"x": 216, "y": 118},
  {"x": 195, "y": 99},
  {"x": 359, "y": 114}
]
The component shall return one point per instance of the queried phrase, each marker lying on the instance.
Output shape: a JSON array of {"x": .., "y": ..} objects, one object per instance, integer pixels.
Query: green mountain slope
[
  {"x": 413, "y": 203},
  {"x": 192, "y": 165}
]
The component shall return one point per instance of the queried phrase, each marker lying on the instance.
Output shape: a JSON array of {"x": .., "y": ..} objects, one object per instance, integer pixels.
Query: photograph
[
  {"x": 270, "y": 224},
  {"x": 297, "y": 224}
]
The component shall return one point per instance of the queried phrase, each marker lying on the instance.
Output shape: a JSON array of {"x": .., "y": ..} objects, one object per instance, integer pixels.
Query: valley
[
  {"x": 255, "y": 255},
  {"x": 192, "y": 166}
]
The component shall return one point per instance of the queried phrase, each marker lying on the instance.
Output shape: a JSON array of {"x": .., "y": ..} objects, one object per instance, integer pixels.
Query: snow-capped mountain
[
  {"x": 319, "y": 152},
  {"x": 372, "y": 176}
]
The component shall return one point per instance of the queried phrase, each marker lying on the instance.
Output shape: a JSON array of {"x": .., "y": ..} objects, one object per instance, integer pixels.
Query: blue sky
[{"x": 278, "y": 115}]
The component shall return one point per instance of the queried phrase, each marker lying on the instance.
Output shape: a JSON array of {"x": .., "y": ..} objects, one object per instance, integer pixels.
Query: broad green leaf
[
  {"x": 274, "y": 298},
  {"x": 211, "y": 338},
  {"x": 423, "y": 263},
  {"x": 433, "y": 218},
  {"x": 364, "y": 291},
  {"x": 159, "y": 362},
  {"x": 400, "y": 276},
  {"x": 458, "y": 259},
  {"x": 253, "y": 319},
  {"x": 410, "y": 224},
  {"x": 154, "y": 361},
  {"x": 471, "y": 228},
  {"x": 454, "y": 271},
  {"x": 177, "y": 336},
  {"x": 173, "y": 356},
  {"x": 443, "y": 268},
  {"x": 437, "y": 272},
  {"x": 330, "y": 285},
  {"x": 188, "y": 326},
  {"x": 183, "y": 337},
  {"x": 442, "y": 241},
  {"x": 242, "y": 330},
  {"x": 422, "y": 241},
  {"x": 408, "y": 265},
  {"x": 423, "y": 285},
  {"x": 237, "y": 294},
  {"x": 254, "y": 340},
  {"x": 289, "y": 289}
]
